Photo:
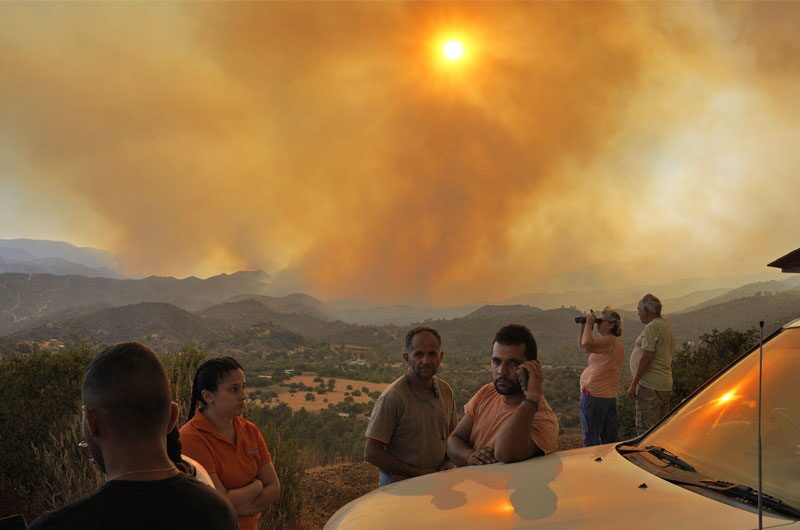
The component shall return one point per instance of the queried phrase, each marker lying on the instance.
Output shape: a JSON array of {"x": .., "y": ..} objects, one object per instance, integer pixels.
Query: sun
[{"x": 453, "y": 50}]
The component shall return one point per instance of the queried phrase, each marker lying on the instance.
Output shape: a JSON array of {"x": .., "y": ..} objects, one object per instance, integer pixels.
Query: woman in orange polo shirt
[{"x": 230, "y": 448}]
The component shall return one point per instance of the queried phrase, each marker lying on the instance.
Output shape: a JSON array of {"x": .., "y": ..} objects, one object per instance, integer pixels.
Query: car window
[{"x": 716, "y": 430}]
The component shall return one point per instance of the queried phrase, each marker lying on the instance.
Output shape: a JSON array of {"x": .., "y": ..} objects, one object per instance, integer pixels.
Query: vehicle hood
[{"x": 593, "y": 487}]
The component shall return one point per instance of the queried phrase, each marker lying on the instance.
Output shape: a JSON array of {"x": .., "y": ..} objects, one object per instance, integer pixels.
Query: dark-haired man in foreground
[
  {"x": 407, "y": 433},
  {"x": 127, "y": 412},
  {"x": 504, "y": 422}
]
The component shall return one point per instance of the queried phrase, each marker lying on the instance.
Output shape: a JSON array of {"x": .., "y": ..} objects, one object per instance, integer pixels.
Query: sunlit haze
[
  {"x": 453, "y": 50},
  {"x": 437, "y": 153}
]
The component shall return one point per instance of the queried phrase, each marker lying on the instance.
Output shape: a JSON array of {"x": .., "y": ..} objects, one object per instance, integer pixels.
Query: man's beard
[
  {"x": 508, "y": 390},
  {"x": 422, "y": 376}
]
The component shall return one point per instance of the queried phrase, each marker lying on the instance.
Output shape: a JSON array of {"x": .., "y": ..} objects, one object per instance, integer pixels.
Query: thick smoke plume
[{"x": 577, "y": 145}]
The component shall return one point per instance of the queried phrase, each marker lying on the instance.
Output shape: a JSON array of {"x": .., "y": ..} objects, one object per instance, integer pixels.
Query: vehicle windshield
[{"x": 716, "y": 430}]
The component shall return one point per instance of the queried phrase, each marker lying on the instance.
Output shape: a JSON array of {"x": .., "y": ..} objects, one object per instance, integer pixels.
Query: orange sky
[{"x": 576, "y": 145}]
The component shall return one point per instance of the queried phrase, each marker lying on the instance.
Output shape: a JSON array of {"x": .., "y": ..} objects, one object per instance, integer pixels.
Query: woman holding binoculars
[{"x": 600, "y": 378}]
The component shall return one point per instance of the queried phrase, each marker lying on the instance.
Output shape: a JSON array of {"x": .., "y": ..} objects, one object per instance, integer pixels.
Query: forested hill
[
  {"x": 25, "y": 297},
  {"x": 751, "y": 289},
  {"x": 775, "y": 309},
  {"x": 249, "y": 311},
  {"x": 297, "y": 303},
  {"x": 152, "y": 322}
]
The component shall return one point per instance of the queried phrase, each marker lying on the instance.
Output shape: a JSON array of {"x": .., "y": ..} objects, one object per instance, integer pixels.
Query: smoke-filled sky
[{"x": 574, "y": 145}]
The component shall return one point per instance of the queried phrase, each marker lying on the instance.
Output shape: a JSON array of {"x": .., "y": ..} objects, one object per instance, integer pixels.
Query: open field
[{"x": 298, "y": 400}]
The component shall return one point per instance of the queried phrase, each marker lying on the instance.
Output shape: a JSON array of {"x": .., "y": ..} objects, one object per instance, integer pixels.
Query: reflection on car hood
[{"x": 570, "y": 489}]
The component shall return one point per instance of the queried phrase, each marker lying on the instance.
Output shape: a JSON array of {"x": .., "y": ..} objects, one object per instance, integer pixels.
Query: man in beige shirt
[
  {"x": 651, "y": 365},
  {"x": 408, "y": 430},
  {"x": 504, "y": 422}
]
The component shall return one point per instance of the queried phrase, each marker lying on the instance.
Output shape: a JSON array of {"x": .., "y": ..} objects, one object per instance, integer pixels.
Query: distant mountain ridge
[
  {"x": 226, "y": 327},
  {"x": 58, "y": 258},
  {"x": 683, "y": 302},
  {"x": 689, "y": 291},
  {"x": 750, "y": 289},
  {"x": 502, "y": 310},
  {"x": 42, "y": 248},
  {"x": 55, "y": 257},
  {"x": 35, "y": 296}
]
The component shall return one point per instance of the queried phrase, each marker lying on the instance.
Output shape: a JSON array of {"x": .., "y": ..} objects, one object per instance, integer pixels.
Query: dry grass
[
  {"x": 64, "y": 474},
  {"x": 328, "y": 488},
  {"x": 570, "y": 441}
]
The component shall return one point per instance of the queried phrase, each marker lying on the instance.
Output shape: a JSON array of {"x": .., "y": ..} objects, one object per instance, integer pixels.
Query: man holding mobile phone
[{"x": 505, "y": 421}]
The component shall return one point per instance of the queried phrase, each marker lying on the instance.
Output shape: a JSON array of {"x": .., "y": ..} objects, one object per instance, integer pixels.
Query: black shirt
[{"x": 172, "y": 503}]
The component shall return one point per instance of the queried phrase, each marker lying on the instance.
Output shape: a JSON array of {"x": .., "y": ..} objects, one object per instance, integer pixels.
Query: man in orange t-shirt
[{"x": 504, "y": 422}]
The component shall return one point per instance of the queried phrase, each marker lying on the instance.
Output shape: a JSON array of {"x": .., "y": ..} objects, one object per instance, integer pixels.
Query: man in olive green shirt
[
  {"x": 651, "y": 365},
  {"x": 408, "y": 430}
]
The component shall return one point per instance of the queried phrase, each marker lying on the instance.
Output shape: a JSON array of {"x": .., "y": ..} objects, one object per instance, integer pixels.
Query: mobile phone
[{"x": 522, "y": 375}]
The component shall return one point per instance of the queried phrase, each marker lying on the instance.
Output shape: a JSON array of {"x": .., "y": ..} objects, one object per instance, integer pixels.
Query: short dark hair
[
  {"x": 129, "y": 385},
  {"x": 207, "y": 377},
  {"x": 422, "y": 329},
  {"x": 513, "y": 334}
]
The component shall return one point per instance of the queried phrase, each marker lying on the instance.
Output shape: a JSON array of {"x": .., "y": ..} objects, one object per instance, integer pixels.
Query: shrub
[
  {"x": 40, "y": 393},
  {"x": 694, "y": 364},
  {"x": 290, "y": 466},
  {"x": 180, "y": 367}
]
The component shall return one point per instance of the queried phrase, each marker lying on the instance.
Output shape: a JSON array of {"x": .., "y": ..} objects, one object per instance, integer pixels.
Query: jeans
[
  {"x": 385, "y": 479},
  {"x": 598, "y": 419}
]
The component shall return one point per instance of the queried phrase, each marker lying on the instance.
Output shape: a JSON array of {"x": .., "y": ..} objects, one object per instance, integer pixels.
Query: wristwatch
[{"x": 534, "y": 402}]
